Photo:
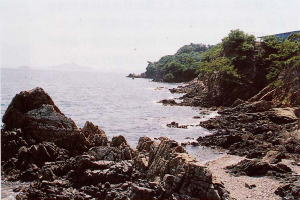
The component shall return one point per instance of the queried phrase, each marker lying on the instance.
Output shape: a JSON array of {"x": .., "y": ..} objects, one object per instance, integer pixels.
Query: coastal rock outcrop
[
  {"x": 61, "y": 161},
  {"x": 133, "y": 75},
  {"x": 94, "y": 134},
  {"x": 22, "y": 103},
  {"x": 179, "y": 173},
  {"x": 215, "y": 89},
  {"x": 252, "y": 129},
  {"x": 170, "y": 102},
  {"x": 285, "y": 91}
]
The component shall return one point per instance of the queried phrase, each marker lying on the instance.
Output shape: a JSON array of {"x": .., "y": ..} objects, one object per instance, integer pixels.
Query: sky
[{"x": 122, "y": 35}]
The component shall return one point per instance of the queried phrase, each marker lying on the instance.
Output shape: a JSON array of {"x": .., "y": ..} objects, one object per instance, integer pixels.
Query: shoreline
[
  {"x": 60, "y": 159},
  {"x": 231, "y": 160},
  {"x": 244, "y": 187}
]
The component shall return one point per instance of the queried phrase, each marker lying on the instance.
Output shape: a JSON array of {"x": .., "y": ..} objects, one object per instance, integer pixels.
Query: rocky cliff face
[
  {"x": 216, "y": 89},
  {"x": 221, "y": 89},
  {"x": 42, "y": 146},
  {"x": 285, "y": 91}
]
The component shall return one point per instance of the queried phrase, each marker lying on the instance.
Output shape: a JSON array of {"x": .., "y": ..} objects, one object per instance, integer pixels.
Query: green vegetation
[
  {"x": 179, "y": 67},
  {"x": 238, "y": 55},
  {"x": 277, "y": 55},
  {"x": 231, "y": 56}
]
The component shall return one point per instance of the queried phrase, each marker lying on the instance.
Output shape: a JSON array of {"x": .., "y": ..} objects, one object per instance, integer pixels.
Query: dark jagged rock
[
  {"x": 22, "y": 103},
  {"x": 11, "y": 141},
  {"x": 289, "y": 191},
  {"x": 118, "y": 141},
  {"x": 171, "y": 173},
  {"x": 257, "y": 168},
  {"x": 94, "y": 135},
  {"x": 64, "y": 162},
  {"x": 170, "y": 102},
  {"x": 176, "y": 125},
  {"x": 45, "y": 124},
  {"x": 178, "y": 172},
  {"x": 252, "y": 129}
]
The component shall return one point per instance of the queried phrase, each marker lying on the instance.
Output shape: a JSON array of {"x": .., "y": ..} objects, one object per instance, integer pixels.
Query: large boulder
[
  {"x": 45, "y": 124},
  {"x": 40, "y": 120},
  {"x": 24, "y": 102}
]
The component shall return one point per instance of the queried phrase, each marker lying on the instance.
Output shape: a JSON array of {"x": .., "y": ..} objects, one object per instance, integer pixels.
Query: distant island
[{"x": 24, "y": 67}]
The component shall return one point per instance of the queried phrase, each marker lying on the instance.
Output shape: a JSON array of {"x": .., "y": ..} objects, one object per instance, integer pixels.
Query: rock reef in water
[
  {"x": 42, "y": 146},
  {"x": 133, "y": 75}
]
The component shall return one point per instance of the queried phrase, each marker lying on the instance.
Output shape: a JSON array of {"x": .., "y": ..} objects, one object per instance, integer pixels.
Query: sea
[{"x": 117, "y": 104}]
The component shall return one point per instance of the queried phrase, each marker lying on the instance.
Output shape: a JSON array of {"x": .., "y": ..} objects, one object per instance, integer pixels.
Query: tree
[{"x": 239, "y": 47}]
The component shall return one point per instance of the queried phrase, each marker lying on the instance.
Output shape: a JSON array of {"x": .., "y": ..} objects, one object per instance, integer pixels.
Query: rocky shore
[
  {"x": 263, "y": 130},
  {"x": 266, "y": 136},
  {"x": 43, "y": 147},
  {"x": 255, "y": 87}
]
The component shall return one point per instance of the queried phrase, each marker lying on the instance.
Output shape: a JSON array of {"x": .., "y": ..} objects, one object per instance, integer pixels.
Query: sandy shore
[{"x": 265, "y": 186}]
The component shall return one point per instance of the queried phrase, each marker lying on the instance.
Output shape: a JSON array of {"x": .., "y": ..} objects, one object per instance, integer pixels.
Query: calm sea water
[{"x": 119, "y": 105}]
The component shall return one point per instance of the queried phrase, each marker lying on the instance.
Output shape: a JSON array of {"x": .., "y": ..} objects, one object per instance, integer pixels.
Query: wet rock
[
  {"x": 176, "y": 125},
  {"x": 170, "y": 102}
]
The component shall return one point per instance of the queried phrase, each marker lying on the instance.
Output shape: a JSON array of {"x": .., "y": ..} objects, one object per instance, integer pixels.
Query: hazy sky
[{"x": 125, "y": 34}]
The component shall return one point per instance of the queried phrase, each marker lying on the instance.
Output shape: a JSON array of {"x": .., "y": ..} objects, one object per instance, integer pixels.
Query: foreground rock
[
  {"x": 262, "y": 133},
  {"x": 42, "y": 146}
]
